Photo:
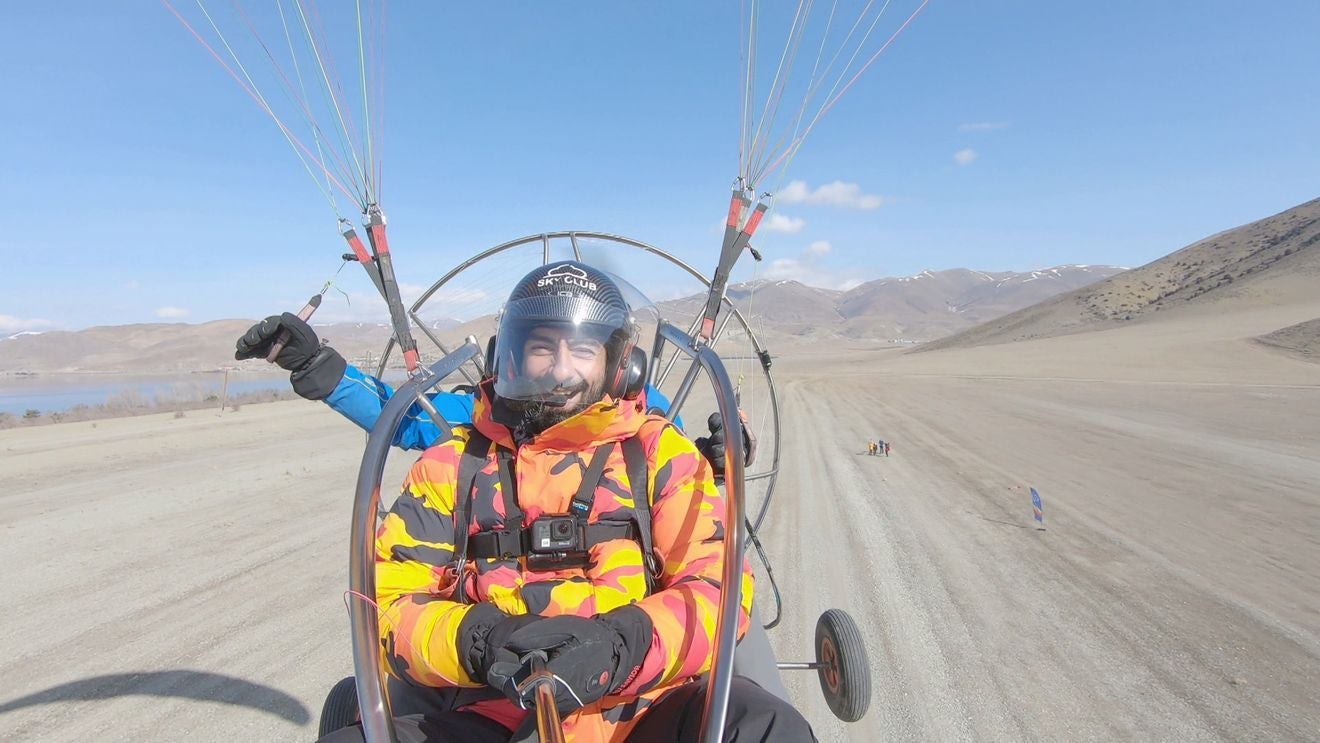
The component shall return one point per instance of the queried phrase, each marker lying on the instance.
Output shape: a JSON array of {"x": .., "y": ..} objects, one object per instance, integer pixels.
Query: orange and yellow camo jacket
[{"x": 415, "y": 566}]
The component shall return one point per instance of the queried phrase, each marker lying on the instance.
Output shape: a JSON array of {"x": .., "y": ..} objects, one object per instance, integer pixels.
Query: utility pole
[{"x": 224, "y": 392}]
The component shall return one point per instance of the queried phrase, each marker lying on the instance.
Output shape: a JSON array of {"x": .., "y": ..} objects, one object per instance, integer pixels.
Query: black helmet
[{"x": 558, "y": 306}]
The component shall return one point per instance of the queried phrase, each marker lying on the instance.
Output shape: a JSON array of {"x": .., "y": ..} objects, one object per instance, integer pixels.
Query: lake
[{"x": 51, "y": 393}]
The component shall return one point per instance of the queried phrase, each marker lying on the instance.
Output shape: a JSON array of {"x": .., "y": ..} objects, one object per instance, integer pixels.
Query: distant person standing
[{"x": 887, "y": 447}]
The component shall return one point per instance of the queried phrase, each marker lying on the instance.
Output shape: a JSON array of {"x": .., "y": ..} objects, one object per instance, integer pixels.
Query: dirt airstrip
[{"x": 181, "y": 579}]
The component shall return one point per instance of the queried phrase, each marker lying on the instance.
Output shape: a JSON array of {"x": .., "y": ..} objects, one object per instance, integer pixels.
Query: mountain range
[
  {"x": 929, "y": 305},
  {"x": 1268, "y": 270}
]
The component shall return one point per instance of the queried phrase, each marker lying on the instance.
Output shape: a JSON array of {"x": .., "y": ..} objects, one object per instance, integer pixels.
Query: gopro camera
[
  {"x": 558, "y": 533},
  {"x": 558, "y": 541}
]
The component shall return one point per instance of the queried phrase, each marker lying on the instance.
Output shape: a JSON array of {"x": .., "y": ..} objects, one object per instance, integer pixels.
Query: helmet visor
[{"x": 560, "y": 350}]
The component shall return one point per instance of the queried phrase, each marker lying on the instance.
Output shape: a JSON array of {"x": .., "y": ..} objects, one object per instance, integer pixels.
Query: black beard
[{"x": 538, "y": 416}]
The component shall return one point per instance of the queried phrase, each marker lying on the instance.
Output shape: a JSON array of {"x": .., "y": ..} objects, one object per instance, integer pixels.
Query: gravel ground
[{"x": 181, "y": 578}]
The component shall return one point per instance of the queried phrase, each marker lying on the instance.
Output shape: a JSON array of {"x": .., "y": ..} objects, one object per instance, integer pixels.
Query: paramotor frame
[
  {"x": 660, "y": 372},
  {"x": 377, "y": 722}
]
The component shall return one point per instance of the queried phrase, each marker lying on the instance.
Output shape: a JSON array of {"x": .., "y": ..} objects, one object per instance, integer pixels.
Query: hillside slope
[
  {"x": 1274, "y": 261},
  {"x": 1300, "y": 341},
  {"x": 937, "y": 303},
  {"x": 781, "y": 312}
]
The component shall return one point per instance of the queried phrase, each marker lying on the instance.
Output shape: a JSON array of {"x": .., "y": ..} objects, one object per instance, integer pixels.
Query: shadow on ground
[{"x": 199, "y": 685}]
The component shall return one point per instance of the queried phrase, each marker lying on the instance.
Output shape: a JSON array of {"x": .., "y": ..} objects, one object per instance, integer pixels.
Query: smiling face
[
  {"x": 568, "y": 363},
  {"x": 562, "y": 341}
]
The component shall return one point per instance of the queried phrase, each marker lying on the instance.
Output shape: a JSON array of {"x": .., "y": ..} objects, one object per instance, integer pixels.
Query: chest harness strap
[
  {"x": 474, "y": 458},
  {"x": 515, "y": 540}
]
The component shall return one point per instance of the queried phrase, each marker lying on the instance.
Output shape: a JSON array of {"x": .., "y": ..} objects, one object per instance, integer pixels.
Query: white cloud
[
  {"x": 669, "y": 292},
  {"x": 783, "y": 268},
  {"x": 360, "y": 307},
  {"x": 809, "y": 273},
  {"x": 455, "y": 296},
  {"x": 837, "y": 193},
  {"x": 781, "y": 223},
  {"x": 171, "y": 313},
  {"x": 463, "y": 303},
  {"x": 410, "y": 292},
  {"x": 795, "y": 192},
  {"x": 449, "y": 295},
  {"x": 132, "y": 285},
  {"x": 820, "y": 247},
  {"x": 983, "y": 126},
  {"x": 11, "y": 324},
  {"x": 964, "y": 156}
]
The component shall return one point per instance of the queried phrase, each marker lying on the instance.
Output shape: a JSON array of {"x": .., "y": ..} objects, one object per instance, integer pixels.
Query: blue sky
[{"x": 142, "y": 185}]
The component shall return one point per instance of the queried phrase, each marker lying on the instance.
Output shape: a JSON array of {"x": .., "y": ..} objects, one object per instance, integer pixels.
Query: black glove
[
  {"x": 712, "y": 447},
  {"x": 316, "y": 369},
  {"x": 296, "y": 354},
  {"x": 591, "y": 657},
  {"x": 484, "y": 629}
]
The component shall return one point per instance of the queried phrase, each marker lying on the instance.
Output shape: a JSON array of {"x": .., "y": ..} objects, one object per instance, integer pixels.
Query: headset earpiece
[
  {"x": 634, "y": 374},
  {"x": 490, "y": 357}
]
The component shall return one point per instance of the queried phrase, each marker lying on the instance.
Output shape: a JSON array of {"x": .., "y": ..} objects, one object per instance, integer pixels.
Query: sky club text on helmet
[
  {"x": 572, "y": 302},
  {"x": 566, "y": 274}
]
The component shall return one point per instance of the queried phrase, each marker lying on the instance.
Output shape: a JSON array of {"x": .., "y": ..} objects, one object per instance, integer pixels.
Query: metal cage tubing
[
  {"x": 684, "y": 389},
  {"x": 716, "y": 705},
  {"x": 544, "y": 238},
  {"x": 377, "y": 722},
  {"x": 427, "y": 332},
  {"x": 773, "y": 472}
]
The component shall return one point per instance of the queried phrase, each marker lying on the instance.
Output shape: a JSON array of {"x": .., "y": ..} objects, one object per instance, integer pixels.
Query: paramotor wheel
[
  {"x": 341, "y": 707},
  {"x": 845, "y": 672}
]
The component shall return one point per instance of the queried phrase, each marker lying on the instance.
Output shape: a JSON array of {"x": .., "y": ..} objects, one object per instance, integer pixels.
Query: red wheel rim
[{"x": 830, "y": 670}]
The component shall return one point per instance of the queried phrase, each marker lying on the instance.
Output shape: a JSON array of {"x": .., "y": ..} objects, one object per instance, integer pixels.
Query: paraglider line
[
  {"x": 345, "y": 138},
  {"x": 321, "y": 62},
  {"x": 366, "y": 99},
  {"x": 300, "y": 101},
  {"x": 817, "y": 82},
  {"x": 813, "y": 82},
  {"x": 302, "y": 87},
  {"x": 792, "y": 150},
  {"x": 780, "y": 81},
  {"x": 370, "y": 602},
  {"x": 256, "y": 96}
]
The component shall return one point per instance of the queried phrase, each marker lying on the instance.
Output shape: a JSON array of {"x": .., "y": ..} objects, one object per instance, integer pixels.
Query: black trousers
[{"x": 754, "y": 715}]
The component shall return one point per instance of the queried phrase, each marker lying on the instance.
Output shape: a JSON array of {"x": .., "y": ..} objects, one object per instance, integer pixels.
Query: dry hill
[
  {"x": 1301, "y": 340},
  {"x": 933, "y": 304},
  {"x": 1271, "y": 262},
  {"x": 156, "y": 347},
  {"x": 775, "y": 309},
  {"x": 929, "y": 305},
  {"x": 160, "y": 348}
]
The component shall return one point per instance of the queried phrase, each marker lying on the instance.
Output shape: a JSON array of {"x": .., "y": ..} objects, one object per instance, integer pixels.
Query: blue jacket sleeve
[
  {"x": 360, "y": 397},
  {"x": 656, "y": 400}
]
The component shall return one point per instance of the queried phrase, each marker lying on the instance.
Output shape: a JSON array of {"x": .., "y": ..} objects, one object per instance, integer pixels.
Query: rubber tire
[
  {"x": 341, "y": 707},
  {"x": 845, "y": 677}
]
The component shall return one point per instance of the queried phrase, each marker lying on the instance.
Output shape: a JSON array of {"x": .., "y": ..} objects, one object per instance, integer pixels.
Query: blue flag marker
[{"x": 1036, "y": 509}]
